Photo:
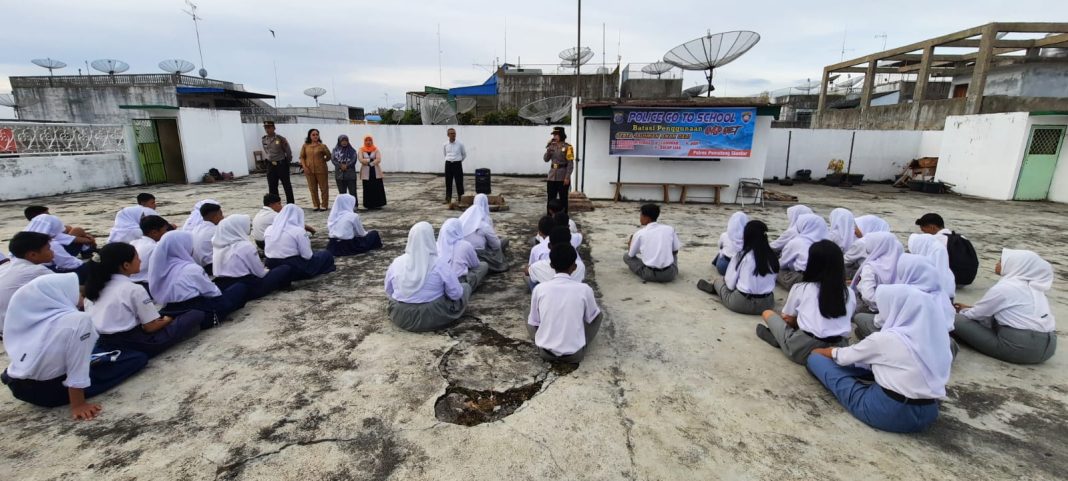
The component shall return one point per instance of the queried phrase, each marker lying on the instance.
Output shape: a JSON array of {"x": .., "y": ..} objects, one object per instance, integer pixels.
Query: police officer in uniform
[
  {"x": 278, "y": 153},
  {"x": 562, "y": 156}
]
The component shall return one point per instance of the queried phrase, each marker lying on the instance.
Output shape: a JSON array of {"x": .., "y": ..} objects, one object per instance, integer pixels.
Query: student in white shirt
[
  {"x": 934, "y": 249},
  {"x": 424, "y": 293},
  {"x": 63, "y": 261},
  {"x": 879, "y": 267},
  {"x": 75, "y": 240},
  {"x": 479, "y": 231},
  {"x": 50, "y": 344},
  {"x": 793, "y": 260},
  {"x": 542, "y": 270},
  {"x": 730, "y": 241},
  {"x": 817, "y": 310},
  {"x": 195, "y": 218},
  {"x": 127, "y": 226},
  {"x": 792, "y": 214},
  {"x": 123, "y": 313},
  {"x": 652, "y": 251},
  {"x": 286, "y": 244},
  {"x": 152, "y": 229},
  {"x": 347, "y": 234},
  {"x": 203, "y": 232},
  {"x": 237, "y": 262},
  {"x": 272, "y": 204},
  {"x": 564, "y": 316},
  {"x": 865, "y": 224},
  {"x": 540, "y": 250},
  {"x": 843, "y": 228},
  {"x": 180, "y": 285},
  {"x": 909, "y": 362},
  {"x": 30, "y": 251},
  {"x": 749, "y": 285},
  {"x": 554, "y": 207},
  {"x": 1013, "y": 321},
  {"x": 460, "y": 254},
  {"x": 916, "y": 271}
]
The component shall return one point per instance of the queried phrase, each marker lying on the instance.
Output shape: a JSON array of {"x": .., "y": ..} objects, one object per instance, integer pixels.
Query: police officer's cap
[{"x": 268, "y": 123}]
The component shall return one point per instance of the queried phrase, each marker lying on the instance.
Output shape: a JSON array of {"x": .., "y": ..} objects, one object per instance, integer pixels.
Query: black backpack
[{"x": 962, "y": 258}]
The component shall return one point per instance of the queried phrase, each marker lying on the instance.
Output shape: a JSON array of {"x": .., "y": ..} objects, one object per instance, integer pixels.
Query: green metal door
[
  {"x": 1036, "y": 174},
  {"x": 148, "y": 151}
]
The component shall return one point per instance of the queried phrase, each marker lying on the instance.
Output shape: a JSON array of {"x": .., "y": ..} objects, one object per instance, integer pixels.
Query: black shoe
[
  {"x": 706, "y": 286},
  {"x": 765, "y": 335}
]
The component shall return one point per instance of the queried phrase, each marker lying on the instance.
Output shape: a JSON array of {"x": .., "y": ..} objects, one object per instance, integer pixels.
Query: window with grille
[{"x": 1045, "y": 141}]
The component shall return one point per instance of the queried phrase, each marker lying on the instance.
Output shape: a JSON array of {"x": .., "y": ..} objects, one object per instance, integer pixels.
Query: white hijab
[
  {"x": 172, "y": 255},
  {"x": 915, "y": 317},
  {"x": 195, "y": 219},
  {"x": 809, "y": 229},
  {"x": 452, "y": 231},
  {"x": 1023, "y": 268},
  {"x": 415, "y": 265},
  {"x": 843, "y": 228},
  {"x": 36, "y": 307},
  {"x": 917, "y": 271},
  {"x": 871, "y": 223},
  {"x": 233, "y": 230},
  {"x": 47, "y": 224},
  {"x": 883, "y": 250},
  {"x": 290, "y": 219},
  {"x": 127, "y": 225},
  {"x": 793, "y": 213},
  {"x": 935, "y": 251},
  {"x": 734, "y": 237},
  {"x": 477, "y": 215},
  {"x": 343, "y": 206}
]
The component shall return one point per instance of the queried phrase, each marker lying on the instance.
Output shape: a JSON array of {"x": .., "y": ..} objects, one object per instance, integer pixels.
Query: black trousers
[
  {"x": 557, "y": 190},
  {"x": 454, "y": 171},
  {"x": 276, "y": 173}
]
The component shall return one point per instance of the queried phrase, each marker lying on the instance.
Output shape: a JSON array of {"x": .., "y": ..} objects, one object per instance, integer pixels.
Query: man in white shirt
[
  {"x": 454, "y": 153},
  {"x": 29, "y": 252},
  {"x": 153, "y": 227},
  {"x": 653, "y": 251},
  {"x": 564, "y": 316},
  {"x": 272, "y": 204},
  {"x": 202, "y": 249}
]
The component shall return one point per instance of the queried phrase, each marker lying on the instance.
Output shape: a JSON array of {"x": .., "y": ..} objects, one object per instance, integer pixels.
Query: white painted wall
[
  {"x": 878, "y": 154},
  {"x": 1058, "y": 189},
  {"x": 601, "y": 168},
  {"x": 981, "y": 154},
  {"x": 211, "y": 138},
  {"x": 39, "y": 176},
  {"x": 417, "y": 148}
]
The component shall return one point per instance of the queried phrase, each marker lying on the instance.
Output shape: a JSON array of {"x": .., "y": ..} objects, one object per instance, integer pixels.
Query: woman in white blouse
[
  {"x": 180, "y": 285},
  {"x": 285, "y": 244},
  {"x": 479, "y": 231},
  {"x": 793, "y": 260},
  {"x": 424, "y": 293},
  {"x": 879, "y": 267},
  {"x": 347, "y": 235},
  {"x": 236, "y": 260},
  {"x": 749, "y": 285},
  {"x": 730, "y": 241}
]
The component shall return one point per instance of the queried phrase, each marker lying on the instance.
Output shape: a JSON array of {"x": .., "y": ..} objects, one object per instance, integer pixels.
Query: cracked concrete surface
[{"x": 317, "y": 384}]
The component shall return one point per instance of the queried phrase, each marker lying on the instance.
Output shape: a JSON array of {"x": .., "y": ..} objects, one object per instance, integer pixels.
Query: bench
[{"x": 666, "y": 185}]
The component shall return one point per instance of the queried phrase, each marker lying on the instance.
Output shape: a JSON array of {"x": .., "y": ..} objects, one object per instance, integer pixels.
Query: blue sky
[{"x": 369, "y": 53}]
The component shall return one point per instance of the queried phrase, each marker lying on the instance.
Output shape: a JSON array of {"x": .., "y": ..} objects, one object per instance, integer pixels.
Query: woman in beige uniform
[{"x": 314, "y": 156}]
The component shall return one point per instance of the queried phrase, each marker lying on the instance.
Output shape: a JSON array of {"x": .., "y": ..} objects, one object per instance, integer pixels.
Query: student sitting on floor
[
  {"x": 730, "y": 241},
  {"x": 347, "y": 235},
  {"x": 195, "y": 218},
  {"x": 879, "y": 268},
  {"x": 818, "y": 309},
  {"x": 915, "y": 271},
  {"x": 74, "y": 240},
  {"x": 424, "y": 294},
  {"x": 286, "y": 244},
  {"x": 122, "y": 311},
  {"x": 843, "y": 228},
  {"x": 792, "y": 213},
  {"x": 63, "y": 261},
  {"x": 203, "y": 232},
  {"x": 909, "y": 362},
  {"x": 479, "y": 231},
  {"x": 542, "y": 270},
  {"x": 127, "y": 226},
  {"x": 541, "y": 249},
  {"x": 657, "y": 245},
  {"x": 749, "y": 285},
  {"x": 793, "y": 261},
  {"x": 460, "y": 254},
  {"x": 272, "y": 205},
  {"x": 1013, "y": 321},
  {"x": 148, "y": 203},
  {"x": 564, "y": 317},
  {"x": 554, "y": 207},
  {"x": 865, "y": 224},
  {"x": 50, "y": 344},
  {"x": 236, "y": 260},
  {"x": 180, "y": 285},
  {"x": 152, "y": 229},
  {"x": 934, "y": 250},
  {"x": 564, "y": 219},
  {"x": 30, "y": 251}
]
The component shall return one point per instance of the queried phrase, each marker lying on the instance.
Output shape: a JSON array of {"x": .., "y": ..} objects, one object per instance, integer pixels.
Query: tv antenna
[
  {"x": 176, "y": 66},
  {"x": 315, "y": 93},
  {"x": 712, "y": 51},
  {"x": 657, "y": 68},
  {"x": 547, "y": 110},
  {"x": 192, "y": 12},
  {"x": 436, "y": 110},
  {"x": 110, "y": 66},
  {"x": 574, "y": 57},
  {"x": 49, "y": 64}
]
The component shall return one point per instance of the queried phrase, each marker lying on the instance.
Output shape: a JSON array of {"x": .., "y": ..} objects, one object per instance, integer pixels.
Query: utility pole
[
  {"x": 440, "y": 82},
  {"x": 192, "y": 12},
  {"x": 578, "y": 82}
]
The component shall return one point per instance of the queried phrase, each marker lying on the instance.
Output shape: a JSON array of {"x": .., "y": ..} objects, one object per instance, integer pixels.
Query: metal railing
[
  {"x": 26, "y": 138},
  {"x": 113, "y": 80}
]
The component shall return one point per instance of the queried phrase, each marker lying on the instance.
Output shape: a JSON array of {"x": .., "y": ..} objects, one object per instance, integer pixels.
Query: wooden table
[{"x": 666, "y": 185}]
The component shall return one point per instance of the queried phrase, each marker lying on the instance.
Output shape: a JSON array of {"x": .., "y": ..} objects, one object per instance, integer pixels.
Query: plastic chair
[{"x": 751, "y": 188}]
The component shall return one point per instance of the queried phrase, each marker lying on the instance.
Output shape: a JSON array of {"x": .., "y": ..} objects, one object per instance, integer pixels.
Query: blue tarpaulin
[{"x": 489, "y": 87}]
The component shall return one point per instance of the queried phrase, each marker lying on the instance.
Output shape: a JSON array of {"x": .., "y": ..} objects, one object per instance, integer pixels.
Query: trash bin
[{"x": 482, "y": 181}]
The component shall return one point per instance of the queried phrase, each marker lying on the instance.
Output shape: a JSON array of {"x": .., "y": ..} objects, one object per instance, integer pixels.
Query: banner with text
[{"x": 683, "y": 132}]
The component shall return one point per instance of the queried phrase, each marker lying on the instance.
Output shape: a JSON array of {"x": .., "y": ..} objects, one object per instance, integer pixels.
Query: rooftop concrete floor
[{"x": 316, "y": 383}]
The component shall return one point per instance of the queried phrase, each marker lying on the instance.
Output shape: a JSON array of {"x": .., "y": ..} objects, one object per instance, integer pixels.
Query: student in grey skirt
[
  {"x": 749, "y": 285},
  {"x": 479, "y": 231},
  {"x": 424, "y": 293}
]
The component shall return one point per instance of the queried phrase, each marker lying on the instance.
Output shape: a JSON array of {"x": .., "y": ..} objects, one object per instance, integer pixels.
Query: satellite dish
[
  {"x": 110, "y": 66},
  {"x": 8, "y": 100},
  {"x": 398, "y": 115},
  {"x": 573, "y": 57},
  {"x": 849, "y": 83},
  {"x": 176, "y": 66},
  {"x": 315, "y": 93},
  {"x": 695, "y": 91},
  {"x": 49, "y": 64},
  {"x": 808, "y": 85},
  {"x": 657, "y": 68},
  {"x": 399, "y": 106},
  {"x": 547, "y": 110},
  {"x": 436, "y": 110},
  {"x": 711, "y": 51},
  {"x": 465, "y": 104}
]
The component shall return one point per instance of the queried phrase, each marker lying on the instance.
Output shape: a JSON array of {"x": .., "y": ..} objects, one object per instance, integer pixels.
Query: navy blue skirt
[
  {"x": 321, "y": 262},
  {"x": 356, "y": 245}
]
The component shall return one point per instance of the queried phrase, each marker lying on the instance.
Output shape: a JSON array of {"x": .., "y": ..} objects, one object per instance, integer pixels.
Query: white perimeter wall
[
  {"x": 39, "y": 176},
  {"x": 981, "y": 154},
  {"x": 878, "y": 154},
  {"x": 417, "y": 148},
  {"x": 1058, "y": 189},
  {"x": 212, "y": 138}
]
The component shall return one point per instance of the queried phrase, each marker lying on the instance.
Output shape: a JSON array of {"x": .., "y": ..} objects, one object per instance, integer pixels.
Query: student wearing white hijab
[
  {"x": 909, "y": 362},
  {"x": 479, "y": 231},
  {"x": 424, "y": 293},
  {"x": 792, "y": 213},
  {"x": 1013, "y": 321},
  {"x": 843, "y": 228},
  {"x": 793, "y": 260},
  {"x": 730, "y": 242},
  {"x": 286, "y": 244},
  {"x": 866, "y": 224},
  {"x": 180, "y": 285},
  {"x": 347, "y": 235},
  {"x": 748, "y": 287},
  {"x": 195, "y": 219},
  {"x": 51, "y": 226},
  {"x": 916, "y": 271},
  {"x": 879, "y": 267},
  {"x": 50, "y": 344},
  {"x": 237, "y": 261},
  {"x": 127, "y": 226},
  {"x": 460, "y": 254},
  {"x": 934, "y": 249}
]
